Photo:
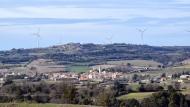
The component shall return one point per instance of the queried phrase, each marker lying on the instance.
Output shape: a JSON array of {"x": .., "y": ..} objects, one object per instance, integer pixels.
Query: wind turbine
[
  {"x": 37, "y": 34},
  {"x": 142, "y": 31},
  {"x": 110, "y": 39}
]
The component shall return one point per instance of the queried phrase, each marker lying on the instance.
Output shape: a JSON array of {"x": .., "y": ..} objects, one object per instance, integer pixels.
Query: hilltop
[{"x": 92, "y": 54}]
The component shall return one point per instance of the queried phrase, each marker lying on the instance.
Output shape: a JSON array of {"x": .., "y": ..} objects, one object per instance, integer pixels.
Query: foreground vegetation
[
  {"x": 62, "y": 94},
  {"x": 39, "y": 105}
]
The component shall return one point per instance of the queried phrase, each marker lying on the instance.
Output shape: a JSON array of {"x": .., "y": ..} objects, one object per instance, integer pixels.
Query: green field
[
  {"x": 141, "y": 63},
  {"x": 138, "y": 96},
  {"x": 40, "y": 105},
  {"x": 77, "y": 68}
]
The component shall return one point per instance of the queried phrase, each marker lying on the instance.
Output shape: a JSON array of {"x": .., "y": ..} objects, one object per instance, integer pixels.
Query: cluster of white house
[
  {"x": 184, "y": 79},
  {"x": 55, "y": 76},
  {"x": 94, "y": 75},
  {"x": 100, "y": 75}
]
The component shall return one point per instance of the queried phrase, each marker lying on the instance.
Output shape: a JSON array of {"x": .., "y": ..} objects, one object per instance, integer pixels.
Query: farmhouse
[
  {"x": 1, "y": 82},
  {"x": 186, "y": 77}
]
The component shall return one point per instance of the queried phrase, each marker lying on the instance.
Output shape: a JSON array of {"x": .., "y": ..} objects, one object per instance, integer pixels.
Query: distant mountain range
[{"x": 97, "y": 53}]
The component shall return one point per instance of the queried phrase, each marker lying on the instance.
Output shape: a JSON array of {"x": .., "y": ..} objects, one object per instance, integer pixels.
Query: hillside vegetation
[{"x": 92, "y": 54}]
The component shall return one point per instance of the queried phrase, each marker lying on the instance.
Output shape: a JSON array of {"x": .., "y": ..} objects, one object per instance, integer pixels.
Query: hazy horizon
[{"x": 82, "y": 21}]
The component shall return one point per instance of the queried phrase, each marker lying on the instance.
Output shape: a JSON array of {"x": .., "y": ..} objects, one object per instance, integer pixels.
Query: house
[
  {"x": 169, "y": 77},
  {"x": 146, "y": 81},
  {"x": 83, "y": 78},
  {"x": 186, "y": 77},
  {"x": 183, "y": 81},
  {"x": 163, "y": 79},
  {"x": 2, "y": 82}
]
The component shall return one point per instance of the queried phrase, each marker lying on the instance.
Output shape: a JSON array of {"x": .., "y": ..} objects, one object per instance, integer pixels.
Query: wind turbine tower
[
  {"x": 37, "y": 34},
  {"x": 142, "y": 31},
  {"x": 110, "y": 39}
]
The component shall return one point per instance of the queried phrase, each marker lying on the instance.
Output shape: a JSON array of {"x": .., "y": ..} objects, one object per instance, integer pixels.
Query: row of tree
[{"x": 91, "y": 94}]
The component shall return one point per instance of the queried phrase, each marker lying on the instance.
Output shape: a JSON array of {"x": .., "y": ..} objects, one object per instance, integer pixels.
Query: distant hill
[{"x": 97, "y": 53}]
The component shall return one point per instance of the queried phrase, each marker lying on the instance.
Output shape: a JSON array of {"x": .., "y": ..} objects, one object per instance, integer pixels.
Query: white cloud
[
  {"x": 92, "y": 13},
  {"x": 165, "y": 17},
  {"x": 182, "y": 1}
]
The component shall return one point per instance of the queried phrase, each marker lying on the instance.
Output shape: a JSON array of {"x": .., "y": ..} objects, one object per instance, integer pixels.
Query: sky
[{"x": 167, "y": 22}]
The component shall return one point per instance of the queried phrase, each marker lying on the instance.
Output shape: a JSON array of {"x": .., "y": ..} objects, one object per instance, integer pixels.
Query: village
[{"x": 99, "y": 75}]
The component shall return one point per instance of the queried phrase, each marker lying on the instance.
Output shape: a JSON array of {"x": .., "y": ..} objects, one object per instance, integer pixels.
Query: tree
[
  {"x": 174, "y": 100},
  {"x": 176, "y": 85},
  {"x": 171, "y": 89},
  {"x": 147, "y": 102},
  {"x": 106, "y": 98},
  {"x": 132, "y": 103},
  {"x": 69, "y": 94},
  {"x": 142, "y": 88},
  {"x": 163, "y": 75},
  {"x": 119, "y": 88},
  {"x": 135, "y": 77},
  {"x": 159, "y": 66},
  {"x": 128, "y": 64}
]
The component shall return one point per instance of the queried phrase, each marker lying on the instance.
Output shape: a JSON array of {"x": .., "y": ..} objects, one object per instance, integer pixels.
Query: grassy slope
[{"x": 138, "y": 96}]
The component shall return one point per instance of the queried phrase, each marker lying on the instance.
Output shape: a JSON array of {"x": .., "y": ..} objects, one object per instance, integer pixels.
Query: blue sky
[{"x": 85, "y": 21}]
